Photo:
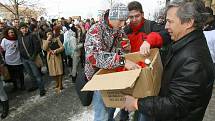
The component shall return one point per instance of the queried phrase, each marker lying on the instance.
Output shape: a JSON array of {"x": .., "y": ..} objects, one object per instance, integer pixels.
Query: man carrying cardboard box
[
  {"x": 188, "y": 74},
  {"x": 101, "y": 51}
]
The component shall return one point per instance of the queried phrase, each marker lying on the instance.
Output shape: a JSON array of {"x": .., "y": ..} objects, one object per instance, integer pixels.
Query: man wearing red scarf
[{"x": 140, "y": 29}]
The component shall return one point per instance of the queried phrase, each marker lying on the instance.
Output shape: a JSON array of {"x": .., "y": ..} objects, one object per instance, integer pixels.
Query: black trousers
[{"x": 16, "y": 74}]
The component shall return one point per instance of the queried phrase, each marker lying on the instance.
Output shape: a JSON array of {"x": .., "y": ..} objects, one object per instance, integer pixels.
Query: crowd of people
[
  {"x": 36, "y": 47},
  {"x": 185, "y": 39}
]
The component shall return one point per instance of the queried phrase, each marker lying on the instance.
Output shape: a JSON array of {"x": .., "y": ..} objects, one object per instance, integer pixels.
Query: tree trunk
[
  {"x": 16, "y": 4},
  {"x": 167, "y": 1}
]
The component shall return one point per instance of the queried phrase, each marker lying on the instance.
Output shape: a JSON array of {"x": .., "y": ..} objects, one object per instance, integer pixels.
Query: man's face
[
  {"x": 174, "y": 26},
  {"x": 117, "y": 24},
  {"x": 24, "y": 30},
  {"x": 16, "y": 23},
  {"x": 135, "y": 17}
]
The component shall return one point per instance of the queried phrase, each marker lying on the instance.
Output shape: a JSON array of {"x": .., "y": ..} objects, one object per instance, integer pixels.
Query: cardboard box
[{"x": 138, "y": 83}]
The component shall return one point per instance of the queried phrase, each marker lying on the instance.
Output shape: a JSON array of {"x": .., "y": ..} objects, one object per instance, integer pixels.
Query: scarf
[
  {"x": 135, "y": 29},
  {"x": 11, "y": 38}
]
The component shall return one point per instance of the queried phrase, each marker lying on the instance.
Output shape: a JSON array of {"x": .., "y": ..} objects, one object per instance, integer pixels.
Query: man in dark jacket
[
  {"x": 29, "y": 48},
  {"x": 188, "y": 74}
]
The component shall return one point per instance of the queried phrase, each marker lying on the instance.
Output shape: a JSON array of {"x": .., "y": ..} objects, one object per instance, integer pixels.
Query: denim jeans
[
  {"x": 34, "y": 72},
  {"x": 123, "y": 114},
  {"x": 101, "y": 112}
]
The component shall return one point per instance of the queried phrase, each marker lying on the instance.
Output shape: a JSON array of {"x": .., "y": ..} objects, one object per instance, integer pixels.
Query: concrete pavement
[{"x": 29, "y": 106}]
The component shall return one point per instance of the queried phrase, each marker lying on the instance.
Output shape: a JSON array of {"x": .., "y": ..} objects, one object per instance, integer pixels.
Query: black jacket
[
  {"x": 187, "y": 82},
  {"x": 32, "y": 45}
]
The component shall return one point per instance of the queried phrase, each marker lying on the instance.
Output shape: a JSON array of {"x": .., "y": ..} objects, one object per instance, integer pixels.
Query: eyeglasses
[{"x": 135, "y": 16}]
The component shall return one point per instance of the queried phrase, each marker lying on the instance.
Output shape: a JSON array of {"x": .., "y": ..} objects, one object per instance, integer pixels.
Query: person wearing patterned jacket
[{"x": 101, "y": 51}]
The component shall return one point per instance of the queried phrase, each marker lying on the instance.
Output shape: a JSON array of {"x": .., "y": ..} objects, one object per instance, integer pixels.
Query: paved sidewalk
[
  {"x": 29, "y": 106},
  {"x": 210, "y": 112}
]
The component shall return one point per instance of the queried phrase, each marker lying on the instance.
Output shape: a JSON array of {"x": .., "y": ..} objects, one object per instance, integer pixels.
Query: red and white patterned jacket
[{"x": 99, "y": 54}]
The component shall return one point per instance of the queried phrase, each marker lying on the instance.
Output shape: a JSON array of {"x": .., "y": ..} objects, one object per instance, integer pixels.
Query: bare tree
[
  {"x": 14, "y": 6},
  {"x": 167, "y": 1},
  {"x": 111, "y": 2}
]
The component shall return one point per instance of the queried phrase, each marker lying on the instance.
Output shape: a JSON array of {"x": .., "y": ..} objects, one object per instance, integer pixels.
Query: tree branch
[{"x": 8, "y": 8}]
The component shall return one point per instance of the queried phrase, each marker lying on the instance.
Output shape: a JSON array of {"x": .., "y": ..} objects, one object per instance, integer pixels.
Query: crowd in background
[{"x": 40, "y": 47}]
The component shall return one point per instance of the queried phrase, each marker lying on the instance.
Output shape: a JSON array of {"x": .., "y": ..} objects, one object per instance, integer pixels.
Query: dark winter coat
[
  {"x": 32, "y": 44},
  {"x": 187, "y": 82}
]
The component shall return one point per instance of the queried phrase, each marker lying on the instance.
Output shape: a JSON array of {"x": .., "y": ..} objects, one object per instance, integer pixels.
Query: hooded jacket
[{"x": 101, "y": 48}]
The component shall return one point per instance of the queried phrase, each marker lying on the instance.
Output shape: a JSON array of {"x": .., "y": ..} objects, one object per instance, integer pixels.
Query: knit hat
[
  {"x": 118, "y": 11},
  {"x": 22, "y": 24}
]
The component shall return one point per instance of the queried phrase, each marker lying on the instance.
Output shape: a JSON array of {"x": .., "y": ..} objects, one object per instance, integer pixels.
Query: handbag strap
[{"x": 23, "y": 43}]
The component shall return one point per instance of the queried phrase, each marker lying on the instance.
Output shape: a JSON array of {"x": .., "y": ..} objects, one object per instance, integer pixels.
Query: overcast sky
[{"x": 89, "y": 8}]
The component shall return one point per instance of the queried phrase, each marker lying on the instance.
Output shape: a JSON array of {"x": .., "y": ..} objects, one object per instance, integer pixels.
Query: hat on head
[
  {"x": 22, "y": 24},
  {"x": 118, "y": 11}
]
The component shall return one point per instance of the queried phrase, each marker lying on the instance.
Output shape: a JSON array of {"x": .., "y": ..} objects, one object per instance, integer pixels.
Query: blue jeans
[
  {"x": 101, "y": 112},
  {"x": 34, "y": 72},
  {"x": 123, "y": 114}
]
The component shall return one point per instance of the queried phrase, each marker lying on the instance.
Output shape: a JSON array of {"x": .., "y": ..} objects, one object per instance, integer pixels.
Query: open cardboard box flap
[{"x": 112, "y": 81}]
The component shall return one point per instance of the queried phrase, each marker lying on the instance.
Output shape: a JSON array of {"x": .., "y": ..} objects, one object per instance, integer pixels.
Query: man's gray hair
[{"x": 190, "y": 9}]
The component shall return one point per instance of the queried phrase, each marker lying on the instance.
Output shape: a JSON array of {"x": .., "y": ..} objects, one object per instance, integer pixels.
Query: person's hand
[
  {"x": 125, "y": 43},
  {"x": 130, "y": 104},
  {"x": 131, "y": 65},
  {"x": 49, "y": 38},
  {"x": 127, "y": 47},
  {"x": 145, "y": 48},
  {"x": 53, "y": 52}
]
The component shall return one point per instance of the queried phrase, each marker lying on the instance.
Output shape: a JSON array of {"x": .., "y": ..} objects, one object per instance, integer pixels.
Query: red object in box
[
  {"x": 123, "y": 44},
  {"x": 141, "y": 64},
  {"x": 119, "y": 69}
]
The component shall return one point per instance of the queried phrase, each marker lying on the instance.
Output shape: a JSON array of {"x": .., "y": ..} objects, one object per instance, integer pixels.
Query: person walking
[{"x": 29, "y": 48}]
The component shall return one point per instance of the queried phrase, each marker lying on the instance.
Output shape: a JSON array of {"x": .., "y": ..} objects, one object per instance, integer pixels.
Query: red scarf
[
  {"x": 136, "y": 37},
  {"x": 11, "y": 38},
  {"x": 138, "y": 27}
]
